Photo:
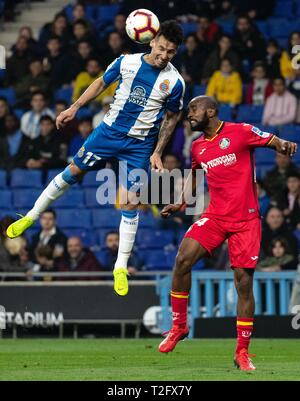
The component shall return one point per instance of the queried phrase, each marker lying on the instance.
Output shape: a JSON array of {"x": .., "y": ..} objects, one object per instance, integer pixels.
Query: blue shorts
[{"x": 105, "y": 143}]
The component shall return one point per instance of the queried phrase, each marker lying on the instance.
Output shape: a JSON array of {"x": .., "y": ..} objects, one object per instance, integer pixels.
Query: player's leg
[
  {"x": 127, "y": 233},
  {"x": 57, "y": 187},
  {"x": 204, "y": 236},
  {"x": 243, "y": 247}
]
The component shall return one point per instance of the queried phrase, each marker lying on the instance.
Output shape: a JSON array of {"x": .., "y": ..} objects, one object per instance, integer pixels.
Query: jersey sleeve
[
  {"x": 255, "y": 137},
  {"x": 195, "y": 164},
  {"x": 113, "y": 71},
  {"x": 175, "y": 101}
]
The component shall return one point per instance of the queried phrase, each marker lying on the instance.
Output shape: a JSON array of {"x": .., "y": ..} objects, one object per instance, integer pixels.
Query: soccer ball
[{"x": 142, "y": 25}]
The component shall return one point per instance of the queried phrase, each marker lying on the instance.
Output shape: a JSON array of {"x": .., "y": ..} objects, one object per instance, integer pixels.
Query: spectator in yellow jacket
[
  {"x": 86, "y": 78},
  {"x": 286, "y": 67},
  {"x": 226, "y": 85}
]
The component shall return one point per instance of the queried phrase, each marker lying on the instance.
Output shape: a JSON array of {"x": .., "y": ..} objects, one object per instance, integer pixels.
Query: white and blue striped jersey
[{"x": 143, "y": 95}]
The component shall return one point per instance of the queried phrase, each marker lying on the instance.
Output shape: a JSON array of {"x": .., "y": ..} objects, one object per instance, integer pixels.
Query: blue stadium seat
[
  {"x": 264, "y": 156},
  {"x": 189, "y": 27},
  {"x": 107, "y": 13},
  {"x": 249, "y": 113},
  {"x": 199, "y": 90},
  {"x": 19, "y": 113},
  {"x": 297, "y": 235},
  {"x": 296, "y": 158},
  {"x": 64, "y": 94},
  {"x": 8, "y": 212},
  {"x": 279, "y": 28},
  {"x": 26, "y": 178},
  {"x": 262, "y": 169},
  {"x": 106, "y": 218},
  {"x": 225, "y": 113},
  {"x": 284, "y": 9},
  {"x": 25, "y": 198},
  {"x": 84, "y": 112},
  {"x": 2, "y": 179},
  {"x": 88, "y": 237},
  {"x": 263, "y": 28},
  {"x": 147, "y": 220},
  {"x": 291, "y": 132},
  {"x": 74, "y": 218},
  {"x": 9, "y": 94},
  {"x": 32, "y": 231},
  {"x": 90, "y": 179},
  {"x": 73, "y": 198},
  {"x": 227, "y": 27},
  {"x": 52, "y": 173},
  {"x": 90, "y": 199},
  {"x": 101, "y": 235},
  {"x": 157, "y": 239},
  {"x": 5, "y": 199},
  {"x": 160, "y": 260}
]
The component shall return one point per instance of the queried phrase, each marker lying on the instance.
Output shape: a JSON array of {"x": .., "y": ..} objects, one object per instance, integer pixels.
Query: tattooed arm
[{"x": 165, "y": 133}]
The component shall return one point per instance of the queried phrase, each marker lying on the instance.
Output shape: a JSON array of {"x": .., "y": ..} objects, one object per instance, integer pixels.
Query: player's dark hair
[
  {"x": 50, "y": 211},
  {"x": 172, "y": 31}
]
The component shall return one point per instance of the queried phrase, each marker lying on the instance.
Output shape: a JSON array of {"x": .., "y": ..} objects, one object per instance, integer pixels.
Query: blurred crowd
[{"x": 73, "y": 50}]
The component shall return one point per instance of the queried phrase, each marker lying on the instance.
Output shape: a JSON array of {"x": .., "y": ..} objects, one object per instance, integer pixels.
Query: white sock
[
  {"x": 55, "y": 190},
  {"x": 128, "y": 229}
]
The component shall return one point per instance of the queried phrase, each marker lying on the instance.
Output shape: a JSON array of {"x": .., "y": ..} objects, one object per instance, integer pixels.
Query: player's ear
[
  {"x": 152, "y": 43},
  {"x": 211, "y": 113}
]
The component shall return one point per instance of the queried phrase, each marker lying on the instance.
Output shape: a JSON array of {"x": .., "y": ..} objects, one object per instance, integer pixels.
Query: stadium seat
[
  {"x": 149, "y": 239},
  {"x": 262, "y": 169},
  {"x": 106, "y": 218},
  {"x": 199, "y": 90},
  {"x": 19, "y": 113},
  {"x": 160, "y": 260},
  {"x": 7, "y": 212},
  {"x": 64, "y": 94},
  {"x": 5, "y": 198},
  {"x": 291, "y": 132},
  {"x": 90, "y": 199},
  {"x": 284, "y": 9},
  {"x": 225, "y": 112},
  {"x": 9, "y": 94},
  {"x": 90, "y": 179},
  {"x": 2, "y": 179},
  {"x": 189, "y": 27},
  {"x": 227, "y": 27},
  {"x": 297, "y": 235},
  {"x": 249, "y": 113},
  {"x": 31, "y": 232},
  {"x": 84, "y": 112},
  {"x": 147, "y": 220},
  {"x": 88, "y": 237},
  {"x": 52, "y": 173},
  {"x": 264, "y": 156},
  {"x": 25, "y": 198},
  {"x": 26, "y": 178},
  {"x": 279, "y": 28},
  {"x": 107, "y": 13},
  {"x": 263, "y": 28},
  {"x": 74, "y": 218},
  {"x": 73, "y": 198}
]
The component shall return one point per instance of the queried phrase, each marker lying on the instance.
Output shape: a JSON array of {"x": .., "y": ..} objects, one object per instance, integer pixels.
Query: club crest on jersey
[
  {"x": 138, "y": 96},
  {"x": 81, "y": 152},
  {"x": 224, "y": 143},
  {"x": 164, "y": 86}
]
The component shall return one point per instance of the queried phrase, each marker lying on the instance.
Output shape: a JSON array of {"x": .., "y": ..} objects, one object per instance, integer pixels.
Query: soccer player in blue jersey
[{"x": 136, "y": 129}]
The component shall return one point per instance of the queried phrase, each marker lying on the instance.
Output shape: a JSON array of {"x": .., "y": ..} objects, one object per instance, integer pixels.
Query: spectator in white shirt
[
  {"x": 281, "y": 106},
  {"x": 30, "y": 122}
]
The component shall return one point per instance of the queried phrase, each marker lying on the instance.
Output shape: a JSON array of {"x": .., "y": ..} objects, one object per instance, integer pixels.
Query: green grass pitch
[{"x": 139, "y": 360}]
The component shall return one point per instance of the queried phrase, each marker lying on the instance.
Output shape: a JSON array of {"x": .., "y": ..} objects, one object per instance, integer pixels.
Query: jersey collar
[{"x": 219, "y": 129}]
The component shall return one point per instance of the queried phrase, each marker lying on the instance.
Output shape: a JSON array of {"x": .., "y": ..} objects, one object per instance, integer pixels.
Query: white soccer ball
[{"x": 142, "y": 25}]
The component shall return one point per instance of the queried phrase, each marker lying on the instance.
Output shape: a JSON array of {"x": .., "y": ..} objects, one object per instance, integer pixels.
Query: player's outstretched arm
[
  {"x": 171, "y": 209},
  {"x": 166, "y": 130},
  {"x": 282, "y": 146},
  {"x": 94, "y": 90}
]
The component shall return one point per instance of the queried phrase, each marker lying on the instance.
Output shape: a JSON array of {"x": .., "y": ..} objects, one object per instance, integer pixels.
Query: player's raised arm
[
  {"x": 112, "y": 74},
  {"x": 282, "y": 146},
  {"x": 167, "y": 127},
  {"x": 94, "y": 90}
]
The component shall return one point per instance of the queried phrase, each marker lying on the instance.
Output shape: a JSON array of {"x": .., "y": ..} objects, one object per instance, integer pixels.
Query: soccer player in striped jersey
[
  {"x": 136, "y": 129},
  {"x": 225, "y": 152}
]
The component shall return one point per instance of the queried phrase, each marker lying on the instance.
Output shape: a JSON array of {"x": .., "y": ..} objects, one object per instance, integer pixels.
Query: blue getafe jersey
[{"x": 143, "y": 94}]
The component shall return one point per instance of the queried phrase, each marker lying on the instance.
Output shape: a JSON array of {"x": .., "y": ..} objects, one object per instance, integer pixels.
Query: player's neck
[{"x": 213, "y": 128}]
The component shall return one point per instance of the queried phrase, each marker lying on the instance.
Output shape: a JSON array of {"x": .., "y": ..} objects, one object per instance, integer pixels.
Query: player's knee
[
  {"x": 244, "y": 286},
  {"x": 73, "y": 173},
  {"x": 183, "y": 264}
]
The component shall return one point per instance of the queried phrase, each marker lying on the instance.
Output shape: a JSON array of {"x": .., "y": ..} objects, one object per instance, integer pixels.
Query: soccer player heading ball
[
  {"x": 226, "y": 153},
  {"x": 136, "y": 129}
]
